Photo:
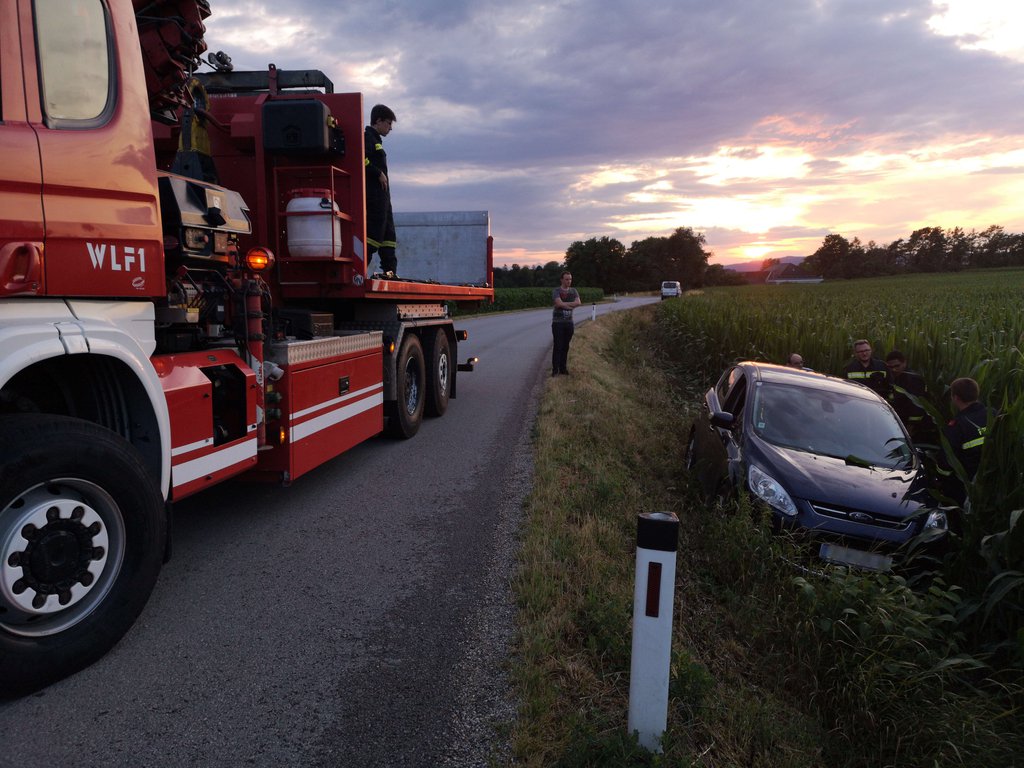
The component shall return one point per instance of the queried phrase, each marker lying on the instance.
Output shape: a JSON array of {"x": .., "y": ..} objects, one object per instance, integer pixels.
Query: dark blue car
[{"x": 829, "y": 457}]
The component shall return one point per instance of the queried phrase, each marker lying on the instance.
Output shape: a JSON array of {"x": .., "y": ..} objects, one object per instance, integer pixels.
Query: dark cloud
[{"x": 554, "y": 90}]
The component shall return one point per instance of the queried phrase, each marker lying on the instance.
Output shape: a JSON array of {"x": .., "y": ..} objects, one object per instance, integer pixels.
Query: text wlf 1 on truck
[{"x": 184, "y": 299}]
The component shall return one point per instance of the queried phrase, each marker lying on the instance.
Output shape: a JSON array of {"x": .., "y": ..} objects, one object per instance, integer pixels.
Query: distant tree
[
  {"x": 831, "y": 260},
  {"x": 646, "y": 264},
  {"x": 856, "y": 261},
  {"x": 716, "y": 274},
  {"x": 959, "y": 249},
  {"x": 769, "y": 264},
  {"x": 680, "y": 256},
  {"x": 994, "y": 247},
  {"x": 549, "y": 273},
  {"x": 689, "y": 257},
  {"x": 596, "y": 263},
  {"x": 516, "y": 276},
  {"x": 876, "y": 260},
  {"x": 926, "y": 250}
]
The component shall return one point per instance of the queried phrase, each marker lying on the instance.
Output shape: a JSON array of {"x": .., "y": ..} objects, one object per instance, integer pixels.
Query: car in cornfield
[{"x": 829, "y": 458}]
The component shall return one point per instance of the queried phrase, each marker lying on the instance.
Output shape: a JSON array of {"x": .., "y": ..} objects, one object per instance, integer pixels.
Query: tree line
[
  {"x": 930, "y": 249},
  {"x": 604, "y": 262}
]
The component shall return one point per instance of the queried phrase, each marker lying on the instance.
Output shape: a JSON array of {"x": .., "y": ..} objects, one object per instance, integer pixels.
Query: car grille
[{"x": 860, "y": 516}]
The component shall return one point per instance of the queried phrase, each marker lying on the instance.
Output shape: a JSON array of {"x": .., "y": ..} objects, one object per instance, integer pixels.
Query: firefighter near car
[
  {"x": 184, "y": 299},
  {"x": 864, "y": 368}
]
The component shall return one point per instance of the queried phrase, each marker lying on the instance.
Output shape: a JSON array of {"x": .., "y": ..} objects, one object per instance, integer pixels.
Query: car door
[
  {"x": 21, "y": 207},
  {"x": 712, "y": 442},
  {"x": 731, "y": 435}
]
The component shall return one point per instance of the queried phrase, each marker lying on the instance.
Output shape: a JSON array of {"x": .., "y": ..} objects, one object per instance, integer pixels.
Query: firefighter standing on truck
[{"x": 380, "y": 221}]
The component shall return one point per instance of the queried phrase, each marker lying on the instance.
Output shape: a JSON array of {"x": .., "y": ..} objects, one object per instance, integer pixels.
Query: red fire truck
[{"x": 184, "y": 299}]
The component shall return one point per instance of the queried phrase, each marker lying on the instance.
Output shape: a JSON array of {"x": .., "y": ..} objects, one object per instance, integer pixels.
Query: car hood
[{"x": 893, "y": 493}]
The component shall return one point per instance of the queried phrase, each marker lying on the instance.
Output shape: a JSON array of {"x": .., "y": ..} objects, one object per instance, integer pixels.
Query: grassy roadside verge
[{"x": 768, "y": 669}]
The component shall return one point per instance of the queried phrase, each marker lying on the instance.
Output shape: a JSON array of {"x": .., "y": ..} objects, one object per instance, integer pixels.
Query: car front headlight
[{"x": 770, "y": 492}]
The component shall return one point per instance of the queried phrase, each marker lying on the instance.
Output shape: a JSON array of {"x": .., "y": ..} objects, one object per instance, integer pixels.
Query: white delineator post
[
  {"x": 657, "y": 538},
  {"x": 593, "y": 312}
]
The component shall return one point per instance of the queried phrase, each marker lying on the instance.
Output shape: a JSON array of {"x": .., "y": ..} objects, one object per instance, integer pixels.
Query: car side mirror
[{"x": 723, "y": 419}]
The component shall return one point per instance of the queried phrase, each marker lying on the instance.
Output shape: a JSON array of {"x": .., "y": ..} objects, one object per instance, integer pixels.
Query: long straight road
[{"x": 361, "y": 617}]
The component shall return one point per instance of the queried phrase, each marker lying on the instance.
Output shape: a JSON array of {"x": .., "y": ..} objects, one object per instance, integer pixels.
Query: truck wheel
[
  {"x": 82, "y": 535},
  {"x": 406, "y": 413},
  {"x": 439, "y": 381}
]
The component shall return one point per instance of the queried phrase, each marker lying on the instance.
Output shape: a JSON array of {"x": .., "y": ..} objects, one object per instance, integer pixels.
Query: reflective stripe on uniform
[{"x": 859, "y": 374}]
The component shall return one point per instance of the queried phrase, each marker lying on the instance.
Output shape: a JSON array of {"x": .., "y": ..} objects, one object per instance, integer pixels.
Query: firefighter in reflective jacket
[
  {"x": 965, "y": 433},
  {"x": 904, "y": 384},
  {"x": 380, "y": 221},
  {"x": 866, "y": 369}
]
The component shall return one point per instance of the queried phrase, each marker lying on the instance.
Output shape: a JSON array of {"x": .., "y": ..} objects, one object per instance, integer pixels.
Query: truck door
[
  {"x": 87, "y": 99},
  {"x": 21, "y": 207}
]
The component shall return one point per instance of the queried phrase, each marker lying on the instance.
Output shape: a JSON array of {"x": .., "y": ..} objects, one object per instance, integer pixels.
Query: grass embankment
[{"x": 769, "y": 668}]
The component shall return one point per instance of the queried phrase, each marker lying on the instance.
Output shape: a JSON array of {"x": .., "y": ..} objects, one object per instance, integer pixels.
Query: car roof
[{"x": 783, "y": 374}]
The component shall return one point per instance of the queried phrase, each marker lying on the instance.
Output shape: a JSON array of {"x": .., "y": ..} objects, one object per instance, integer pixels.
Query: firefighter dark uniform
[
  {"x": 380, "y": 220},
  {"x": 966, "y": 435},
  {"x": 875, "y": 375},
  {"x": 913, "y": 416}
]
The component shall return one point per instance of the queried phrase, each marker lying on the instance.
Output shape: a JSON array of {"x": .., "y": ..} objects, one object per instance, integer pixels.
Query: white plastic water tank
[{"x": 314, "y": 232}]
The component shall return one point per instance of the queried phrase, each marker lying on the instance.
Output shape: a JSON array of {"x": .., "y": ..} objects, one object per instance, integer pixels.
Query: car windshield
[{"x": 847, "y": 426}]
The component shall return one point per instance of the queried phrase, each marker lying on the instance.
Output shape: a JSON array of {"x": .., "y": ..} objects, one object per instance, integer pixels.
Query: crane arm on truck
[{"x": 171, "y": 37}]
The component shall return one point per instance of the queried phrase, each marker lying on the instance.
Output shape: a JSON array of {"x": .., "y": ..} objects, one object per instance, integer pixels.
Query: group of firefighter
[{"x": 904, "y": 389}]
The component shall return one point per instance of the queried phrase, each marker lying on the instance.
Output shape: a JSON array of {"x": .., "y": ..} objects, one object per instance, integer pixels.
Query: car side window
[
  {"x": 737, "y": 396},
  {"x": 73, "y": 40},
  {"x": 724, "y": 383},
  {"x": 727, "y": 383}
]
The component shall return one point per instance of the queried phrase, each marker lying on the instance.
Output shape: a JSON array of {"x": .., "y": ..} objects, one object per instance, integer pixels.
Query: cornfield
[{"x": 948, "y": 326}]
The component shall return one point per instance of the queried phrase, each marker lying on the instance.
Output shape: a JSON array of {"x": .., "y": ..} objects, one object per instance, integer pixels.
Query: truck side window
[{"x": 74, "y": 44}]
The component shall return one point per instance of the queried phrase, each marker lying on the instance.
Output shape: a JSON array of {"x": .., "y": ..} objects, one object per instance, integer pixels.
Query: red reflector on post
[{"x": 653, "y": 589}]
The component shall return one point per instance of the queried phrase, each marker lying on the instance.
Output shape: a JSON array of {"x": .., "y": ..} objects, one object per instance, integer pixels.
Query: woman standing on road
[{"x": 566, "y": 299}]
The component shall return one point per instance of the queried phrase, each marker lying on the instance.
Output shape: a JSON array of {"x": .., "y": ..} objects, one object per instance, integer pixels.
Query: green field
[
  {"x": 948, "y": 325},
  {"x": 771, "y": 667}
]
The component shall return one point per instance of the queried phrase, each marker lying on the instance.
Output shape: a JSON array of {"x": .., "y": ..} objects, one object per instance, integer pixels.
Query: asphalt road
[{"x": 361, "y": 617}]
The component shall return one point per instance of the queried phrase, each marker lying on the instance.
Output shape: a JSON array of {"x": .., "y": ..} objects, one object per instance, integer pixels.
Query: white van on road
[{"x": 671, "y": 289}]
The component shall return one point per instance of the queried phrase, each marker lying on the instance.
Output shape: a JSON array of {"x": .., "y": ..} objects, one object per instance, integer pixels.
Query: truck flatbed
[{"x": 379, "y": 288}]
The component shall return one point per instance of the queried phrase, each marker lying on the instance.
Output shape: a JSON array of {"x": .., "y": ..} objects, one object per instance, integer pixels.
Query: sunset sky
[{"x": 763, "y": 125}]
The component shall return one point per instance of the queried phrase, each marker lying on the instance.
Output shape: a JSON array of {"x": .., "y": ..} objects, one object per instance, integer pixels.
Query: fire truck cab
[{"x": 184, "y": 299}]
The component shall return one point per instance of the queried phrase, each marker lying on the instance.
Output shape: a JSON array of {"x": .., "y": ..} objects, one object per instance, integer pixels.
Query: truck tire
[
  {"x": 82, "y": 534},
  {"x": 406, "y": 413},
  {"x": 439, "y": 379}
]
